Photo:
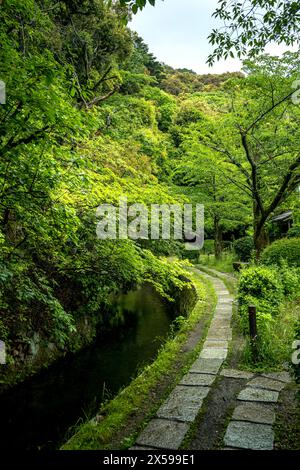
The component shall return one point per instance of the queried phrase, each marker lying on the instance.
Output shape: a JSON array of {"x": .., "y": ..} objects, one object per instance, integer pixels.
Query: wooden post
[
  {"x": 253, "y": 330},
  {"x": 252, "y": 322}
]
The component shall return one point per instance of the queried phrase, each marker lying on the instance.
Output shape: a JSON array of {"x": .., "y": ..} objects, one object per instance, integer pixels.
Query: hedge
[
  {"x": 244, "y": 248},
  {"x": 286, "y": 249}
]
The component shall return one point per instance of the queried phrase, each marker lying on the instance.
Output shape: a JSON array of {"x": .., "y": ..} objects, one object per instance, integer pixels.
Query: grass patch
[
  {"x": 275, "y": 346},
  {"x": 122, "y": 418},
  {"x": 229, "y": 281},
  {"x": 225, "y": 264},
  {"x": 287, "y": 425}
]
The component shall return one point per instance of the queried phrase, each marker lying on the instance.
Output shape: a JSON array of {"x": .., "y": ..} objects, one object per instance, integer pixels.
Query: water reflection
[{"x": 38, "y": 413}]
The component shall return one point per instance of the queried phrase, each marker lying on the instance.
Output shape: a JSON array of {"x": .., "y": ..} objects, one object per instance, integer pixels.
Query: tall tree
[
  {"x": 199, "y": 171},
  {"x": 258, "y": 138}
]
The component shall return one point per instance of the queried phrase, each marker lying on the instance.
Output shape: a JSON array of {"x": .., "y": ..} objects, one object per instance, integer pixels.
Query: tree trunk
[
  {"x": 260, "y": 237},
  {"x": 260, "y": 242},
  {"x": 218, "y": 238}
]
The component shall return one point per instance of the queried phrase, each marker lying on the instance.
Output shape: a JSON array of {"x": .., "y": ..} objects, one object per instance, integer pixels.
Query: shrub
[
  {"x": 243, "y": 248},
  {"x": 209, "y": 247},
  {"x": 261, "y": 282},
  {"x": 266, "y": 287},
  {"x": 259, "y": 286},
  {"x": 294, "y": 232},
  {"x": 287, "y": 249},
  {"x": 290, "y": 279},
  {"x": 227, "y": 246}
]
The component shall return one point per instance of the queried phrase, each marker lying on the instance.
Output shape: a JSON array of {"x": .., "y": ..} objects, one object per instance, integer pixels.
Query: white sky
[{"x": 176, "y": 32}]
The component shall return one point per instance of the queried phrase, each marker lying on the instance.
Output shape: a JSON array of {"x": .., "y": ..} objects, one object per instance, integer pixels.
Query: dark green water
[{"x": 39, "y": 413}]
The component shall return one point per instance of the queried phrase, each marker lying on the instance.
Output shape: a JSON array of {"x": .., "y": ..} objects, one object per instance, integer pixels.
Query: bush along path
[
  {"x": 168, "y": 429},
  {"x": 214, "y": 408}
]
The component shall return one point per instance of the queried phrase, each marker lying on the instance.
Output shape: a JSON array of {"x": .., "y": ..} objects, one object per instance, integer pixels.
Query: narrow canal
[{"x": 41, "y": 413}]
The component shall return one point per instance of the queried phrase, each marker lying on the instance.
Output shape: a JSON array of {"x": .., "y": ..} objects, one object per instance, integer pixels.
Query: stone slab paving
[
  {"x": 206, "y": 366},
  {"x": 184, "y": 403},
  {"x": 219, "y": 273},
  {"x": 168, "y": 429},
  {"x": 221, "y": 333},
  {"x": 252, "y": 436},
  {"x": 260, "y": 395},
  {"x": 223, "y": 314},
  {"x": 267, "y": 383},
  {"x": 213, "y": 353},
  {"x": 220, "y": 323},
  {"x": 203, "y": 380},
  {"x": 163, "y": 434},
  {"x": 254, "y": 416},
  {"x": 281, "y": 376},
  {"x": 224, "y": 309},
  {"x": 236, "y": 374},
  {"x": 225, "y": 305},
  {"x": 142, "y": 448},
  {"x": 211, "y": 343},
  {"x": 255, "y": 413}
]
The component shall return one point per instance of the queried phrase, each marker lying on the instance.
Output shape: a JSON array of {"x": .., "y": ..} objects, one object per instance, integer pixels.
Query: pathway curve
[{"x": 169, "y": 427}]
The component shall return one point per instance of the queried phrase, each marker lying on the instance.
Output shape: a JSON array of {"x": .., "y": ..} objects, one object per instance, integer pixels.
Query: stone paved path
[
  {"x": 173, "y": 419},
  {"x": 251, "y": 423},
  {"x": 252, "y": 420}
]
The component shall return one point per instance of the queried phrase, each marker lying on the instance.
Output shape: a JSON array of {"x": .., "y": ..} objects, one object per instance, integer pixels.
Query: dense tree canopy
[
  {"x": 91, "y": 115},
  {"x": 258, "y": 137}
]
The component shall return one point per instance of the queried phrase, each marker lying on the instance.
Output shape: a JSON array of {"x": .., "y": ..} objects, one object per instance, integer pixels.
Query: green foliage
[
  {"x": 91, "y": 115},
  {"x": 244, "y": 248},
  {"x": 290, "y": 278},
  {"x": 269, "y": 289},
  {"x": 177, "y": 324},
  {"x": 62, "y": 154},
  {"x": 141, "y": 61},
  {"x": 136, "y": 5},
  {"x": 275, "y": 338},
  {"x": 251, "y": 124},
  {"x": 260, "y": 282},
  {"x": 27, "y": 293},
  {"x": 165, "y": 104},
  {"x": 285, "y": 249},
  {"x": 177, "y": 82},
  {"x": 261, "y": 286},
  {"x": 251, "y": 25},
  {"x": 294, "y": 232},
  {"x": 223, "y": 264},
  {"x": 297, "y": 366},
  {"x": 209, "y": 247}
]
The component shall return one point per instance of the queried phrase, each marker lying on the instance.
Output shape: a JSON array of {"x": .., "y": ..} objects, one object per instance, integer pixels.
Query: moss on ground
[
  {"x": 225, "y": 264},
  {"x": 229, "y": 280},
  {"x": 287, "y": 425}
]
